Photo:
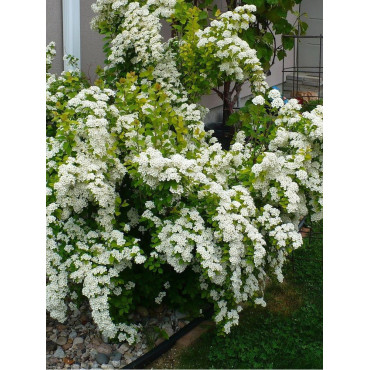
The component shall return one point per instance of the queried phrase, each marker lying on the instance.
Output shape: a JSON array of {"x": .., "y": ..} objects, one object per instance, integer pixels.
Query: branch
[
  {"x": 238, "y": 88},
  {"x": 273, "y": 59},
  {"x": 219, "y": 93}
]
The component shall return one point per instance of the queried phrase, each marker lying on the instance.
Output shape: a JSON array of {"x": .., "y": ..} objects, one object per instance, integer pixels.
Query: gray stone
[
  {"x": 93, "y": 353},
  {"x": 159, "y": 341},
  {"x": 95, "y": 365},
  {"x": 78, "y": 340},
  {"x": 53, "y": 337},
  {"x": 75, "y": 366},
  {"x": 105, "y": 339},
  {"x": 107, "y": 366},
  {"x": 116, "y": 363},
  {"x": 116, "y": 356},
  {"x": 72, "y": 334},
  {"x": 102, "y": 358},
  {"x": 123, "y": 348},
  {"x": 137, "y": 346},
  {"x": 59, "y": 353},
  {"x": 61, "y": 341},
  {"x": 104, "y": 348},
  {"x": 168, "y": 329},
  {"x": 180, "y": 315}
]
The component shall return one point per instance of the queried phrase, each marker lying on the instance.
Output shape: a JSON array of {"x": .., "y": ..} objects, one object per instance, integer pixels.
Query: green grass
[{"x": 286, "y": 334}]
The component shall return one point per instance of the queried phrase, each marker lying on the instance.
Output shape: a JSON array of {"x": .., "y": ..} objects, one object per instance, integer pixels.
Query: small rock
[
  {"x": 142, "y": 311},
  {"x": 138, "y": 346},
  {"x": 68, "y": 345},
  {"x": 95, "y": 365},
  {"x": 84, "y": 319},
  {"x": 105, "y": 339},
  {"x": 116, "y": 363},
  {"x": 116, "y": 356},
  {"x": 75, "y": 366},
  {"x": 68, "y": 361},
  {"x": 128, "y": 358},
  {"x": 159, "y": 341},
  {"x": 107, "y": 366},
  {"x": 61, "y": 341},
  {"x": 96, "y": 341},
  {"x": 168, "y": 329},
  {"x": 53, "y": 361},
  {"x": 180, "y": 315},
  {"x": 54, "y": 337},
  {"x": 93, "y": 353},
  {"x": 104, "y": 348},
  {"x": 181, "y": 324},
  {"x": 59, "y": 353},
  {"x": 50, "y": 346},
  {"x": 77, "y": 340},
  {"x": 61, "y": 327},
  {"x": 152, "y": 321},
  {"x": 49, "y": 328},
  {"x": 72, "y": 334},
  {"x": 102, "y": 358},
  {"x": 79, "y": 347},
  {"x": 123, "y": 348}
]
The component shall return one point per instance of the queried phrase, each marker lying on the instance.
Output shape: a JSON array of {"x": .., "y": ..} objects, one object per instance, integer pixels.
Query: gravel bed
[{"x": 77, "y": 344}]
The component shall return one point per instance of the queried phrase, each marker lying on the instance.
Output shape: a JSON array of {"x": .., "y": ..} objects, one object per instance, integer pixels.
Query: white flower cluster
[
  {"x": 50, "y": 53},
  {"x": 59, "y": 89},
  {"x": 234, "y": 56}
]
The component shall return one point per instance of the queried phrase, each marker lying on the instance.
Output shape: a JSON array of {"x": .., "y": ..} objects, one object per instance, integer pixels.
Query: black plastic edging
[
  {"x": 162, "y": 348},
  {"x": 158, "y": 351}
]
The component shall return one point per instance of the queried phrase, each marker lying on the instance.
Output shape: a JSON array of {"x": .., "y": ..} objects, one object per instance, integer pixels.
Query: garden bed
[{"x": 78, "y": 344}]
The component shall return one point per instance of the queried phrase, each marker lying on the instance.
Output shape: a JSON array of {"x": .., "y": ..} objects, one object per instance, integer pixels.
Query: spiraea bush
[{"x": 144, "y": 206}]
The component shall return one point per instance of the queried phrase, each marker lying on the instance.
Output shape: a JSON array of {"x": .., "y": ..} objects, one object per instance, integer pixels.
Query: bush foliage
[{"x": 144, "y": 206}]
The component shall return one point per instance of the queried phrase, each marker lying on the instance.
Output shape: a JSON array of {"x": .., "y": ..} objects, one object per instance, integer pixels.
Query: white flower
[
  {"x": 277, "y": 103},
  {"x": 258, "y": 100},
  {"x": 274, "y": 93}
]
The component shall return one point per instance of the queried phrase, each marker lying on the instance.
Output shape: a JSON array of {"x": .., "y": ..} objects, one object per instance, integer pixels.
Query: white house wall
[
  {"x": 309, "y": 48},
  {"x": 92, "y": 43},
  {"x": 54, "y": 32}
]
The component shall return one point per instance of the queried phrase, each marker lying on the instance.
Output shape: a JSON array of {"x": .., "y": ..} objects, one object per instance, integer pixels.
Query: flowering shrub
[{"x": 143, "y": 206}]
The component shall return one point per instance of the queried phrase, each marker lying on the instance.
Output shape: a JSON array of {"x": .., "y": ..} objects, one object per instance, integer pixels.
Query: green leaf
[
  {"x": 288, "y": 42},
  {"x": 281, "y": 54},
  {"x": 203, "y": 15}
]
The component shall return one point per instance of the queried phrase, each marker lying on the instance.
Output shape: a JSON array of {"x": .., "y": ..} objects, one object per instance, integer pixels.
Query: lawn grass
[{"x": 287, "y": 334}]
